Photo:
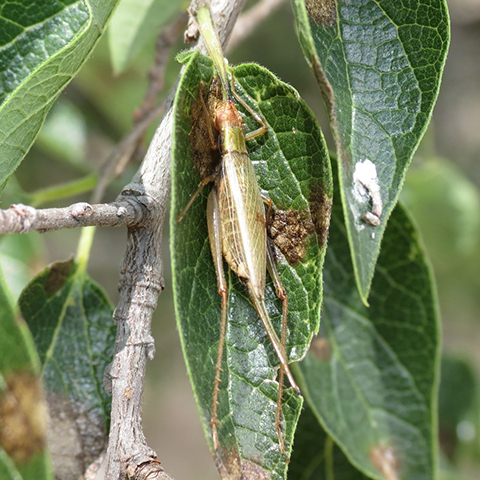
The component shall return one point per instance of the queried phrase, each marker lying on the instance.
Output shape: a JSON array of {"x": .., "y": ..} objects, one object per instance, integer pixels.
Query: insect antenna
[{"x": 214, "y": 47}]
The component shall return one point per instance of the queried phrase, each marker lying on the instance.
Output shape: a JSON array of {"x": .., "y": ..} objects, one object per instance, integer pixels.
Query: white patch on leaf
[{"x": 366, "y": 189}]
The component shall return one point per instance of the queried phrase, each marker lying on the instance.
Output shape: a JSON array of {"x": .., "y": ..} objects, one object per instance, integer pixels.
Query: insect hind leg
[
  {"x": 214, "y": 233},
  {"x": 282, "y": 295}
]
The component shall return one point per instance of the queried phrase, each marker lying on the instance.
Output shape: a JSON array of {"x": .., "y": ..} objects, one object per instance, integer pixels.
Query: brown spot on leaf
[
  {"x": 57, "y": 276},
  {"x": 252, "y": 471},
  {"x": 322, "y": 12},
  {"x": 321, "y": 210},
  {"x": 289, "y": 230},
  {"x": 321, "y": 349},
  {"x": 385, "y": 460},
  {"x": 23, "y": 416},
  {"x": 203, "y": 134},
  {"x": 228, "y": 463}
]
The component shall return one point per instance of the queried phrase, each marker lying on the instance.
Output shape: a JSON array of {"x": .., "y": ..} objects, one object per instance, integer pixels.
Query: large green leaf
[
  {"x": 293, "y": 168},
  {"x": 23, "y": 414},
  {"x": 133, "y": 24},
  {"x": 315, "y": 456},
  {"x": 379, "y": 65},
  {"x": 71, "y": 321},
  {"x": 42, "y": 46},
  {"x": 371, "y": 376}
]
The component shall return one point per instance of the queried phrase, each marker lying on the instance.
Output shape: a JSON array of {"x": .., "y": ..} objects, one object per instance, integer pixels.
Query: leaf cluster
[{"x": 347, "y": 252}]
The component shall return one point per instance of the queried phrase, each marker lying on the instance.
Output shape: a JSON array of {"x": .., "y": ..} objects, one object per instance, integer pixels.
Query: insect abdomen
[{"x": 243, "y": 220}]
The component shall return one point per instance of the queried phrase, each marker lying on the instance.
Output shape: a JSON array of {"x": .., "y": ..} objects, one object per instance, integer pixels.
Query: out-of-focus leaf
[
  {"x": 315, "y": 455},
  {"x": 23, "y": 413},
  {"x": 379, "y": 66},
  {"x": 292, "y": 166},
  {"x": 446, "y": 205},
  {"x": 452, "y": 475},
  {"x": 19, "y": 256},
  {"x": 135, "y": 22},
  {"x": 42, "y": 46},
  {"x": 371, "y": 374},
  {"x": 64, "y": 133},
  {"x": 446, "y": 208},
  {"x": 71, "y": 321},
  {"x": 458, "y": 391}
]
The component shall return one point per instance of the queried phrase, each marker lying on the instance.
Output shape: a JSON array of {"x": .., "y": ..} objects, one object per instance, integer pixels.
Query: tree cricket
[{"x": 237, "y": 221}]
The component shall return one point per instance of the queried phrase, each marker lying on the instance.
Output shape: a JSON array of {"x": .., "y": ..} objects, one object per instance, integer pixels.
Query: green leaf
[
  {"x": 43, "y": 44},
  {"x": 446, "y": 205},
  {"x": 292, "y": 166},
  {"x": 19, "y": 254},
  {"x": 371, "y": 374},
  {"x": 458, "y": 392},
  {"x": 315, "y": 456},
  {"x": 379, "y": 65},
  {"x": 447, "y": 475},
  {"x": 134, "y": 23},
  {"x": 71, "y": 321},
  {"x": 23, "y": 415},
  {"x": 64, "y": 133}
]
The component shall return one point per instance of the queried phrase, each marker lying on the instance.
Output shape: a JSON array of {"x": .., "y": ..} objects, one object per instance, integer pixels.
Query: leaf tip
[
  {"x": 59, "y": 272},
  {"x": 363, "y": 279},
  {"x": 184, "y": 56}
]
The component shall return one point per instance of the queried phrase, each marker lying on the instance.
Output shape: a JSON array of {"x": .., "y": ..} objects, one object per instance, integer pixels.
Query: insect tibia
[{"x": 259, "y": 304}]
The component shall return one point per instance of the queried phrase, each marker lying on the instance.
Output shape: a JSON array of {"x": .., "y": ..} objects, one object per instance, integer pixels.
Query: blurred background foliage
[{"x": 441, "y": 190}]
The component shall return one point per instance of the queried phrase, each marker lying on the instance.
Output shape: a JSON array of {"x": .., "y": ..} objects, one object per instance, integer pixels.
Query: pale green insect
[{"x": 236, "y": 221}]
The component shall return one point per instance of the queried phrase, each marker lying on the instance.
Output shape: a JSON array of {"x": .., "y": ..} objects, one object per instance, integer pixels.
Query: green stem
[
  {"x": 64, "y": 190},
  {"x": 329, "y": 475},
  {"x": 84, "y": 247}
]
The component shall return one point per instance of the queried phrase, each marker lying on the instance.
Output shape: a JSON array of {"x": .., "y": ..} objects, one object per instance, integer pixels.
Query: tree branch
[
  {"x": 141, "y": 281},
  {"x": 131, "y": 212},
  {"x": 141, "y": 206}
]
